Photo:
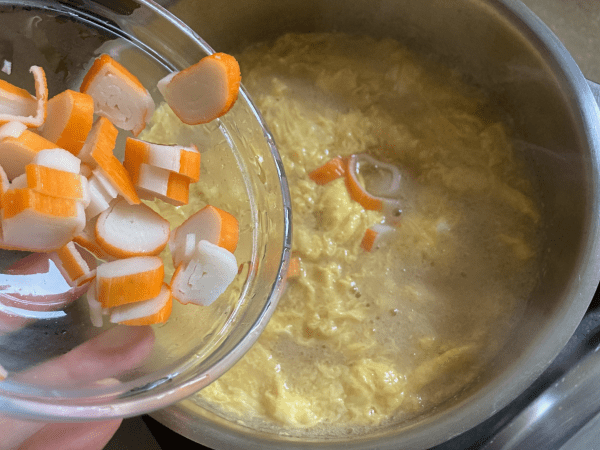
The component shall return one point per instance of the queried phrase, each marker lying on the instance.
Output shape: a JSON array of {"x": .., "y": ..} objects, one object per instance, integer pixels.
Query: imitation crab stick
[
  {"x": 77, "y": 269},
  {"x": 86, "y": 238},
  {"x": 331, "y": 170},
  {"x": 95, "y": 307},
  {"x": 12, "y": 129},
  {"x": 100, "y": 197},
  {"x": 206, "y": 276},
  {"x": 57, "y": 158},
  {"x": 18, "y": 151},
  {"x": 125, "y": 230},
  {"x": 129, "y": 280},
  {"x": 147, "y": 312},
  {"x": 4, "y": 184},
  {"x": 295, "y": 267},
  {"x": 18, "y": 104},
  {"x": 98, "y": 152},
  {"x": 209, "y": 224},
  {"x": 153, "y": 182},
  {"x": 118, "y": 95},
  {"x": 39, "y": 222},
  {"x": 375, "y": 236},
  {"x": 3, "y": 373},
  {"x": 175, "y": 158},
  {"x": 203, "y": 91},
  {"x": 69, "y": 120},
  {"x": 57, "y": 183}
]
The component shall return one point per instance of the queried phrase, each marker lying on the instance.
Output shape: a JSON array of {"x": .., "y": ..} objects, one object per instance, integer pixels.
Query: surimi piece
[
  {"x": 148, "y": 312},
  {"x": 4, "y": 184},
  {"x": 3, "y": 373},
  {"x": 57, "y": 183},
  {"x": 17, "y": 152},
  {"x": 118, "y": 95},
  {"x": 375, "y": 236},
  {"x": 331, "y": 170},
  {"x": 129, "y": 280},
  {"x": 209, "y": 224},
  {"x": 98, "y": 152},
  {"x": 57, "y": 158},
  {"x": 12, "y": 129},
  {"x": 206, "y": 276},
  {"x": 100, "y": 197},
  {"x": 39, "y": 222},
  {"x": 18, "y": 104},
  {"x": 95, "y": 308},
  {"x": 74, "y": 266},
  {"x": 87, "y": 239},
  {"x": 204, "y": 91},
  {"x": 175, "y": 158},
  {"x": 295, "y": 267},
  {"x": 69, "y": 120},
  {"x": 125, "y": 230},
  {"x": 154, "y": 182}
]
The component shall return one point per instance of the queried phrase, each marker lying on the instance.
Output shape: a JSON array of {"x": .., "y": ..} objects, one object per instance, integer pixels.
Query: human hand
[{"x": 104, "y": 357}]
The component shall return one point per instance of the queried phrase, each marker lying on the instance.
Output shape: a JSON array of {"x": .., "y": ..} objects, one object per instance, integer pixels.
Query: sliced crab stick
[
  {"x": 375, "y": 236},
  {"x": 331, "y": 170},
  {"x": 69, "y": 120},
  {"x": 87, "y": 239},
  {"x": 129, "y": 280},
  {"x": 58, "y": 158},
  {"x": 118, "y": 95},
  {"x": 57, "y": 183},
  {"x": 74, "y": 266},
  {"x": 209, "y": 224},
  {"x": 17, "y": 152},
  {"x": 4, "y": 184},
  {"x": 206, "y": 276},
  {"x": 12, "y": 129},
  {"x": 386, "y": 189},
  {"x": 153, "y": 182},
  {"x": 18, "y": 104},
  {"x": 175, "y": 158},
  {"x": 98, "y": 152},
  {"x": 3, "y": 373},
  {"x": 203, "y": 91},
  {"x": 40, "y": 222},
  {"x": 148, "y": 312},
  {"x": 95, "y": 307},
  {"x": 99, "y": 198},
  {"x": 125, "y": 230},
  {"x": 295, "y": 267}
]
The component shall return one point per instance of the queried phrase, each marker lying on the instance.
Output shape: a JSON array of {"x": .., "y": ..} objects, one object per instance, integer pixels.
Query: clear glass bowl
[{"x": 241, "y": 170}]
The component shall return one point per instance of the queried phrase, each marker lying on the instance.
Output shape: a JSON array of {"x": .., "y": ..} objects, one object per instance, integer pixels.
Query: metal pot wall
[{"x": 508, "y": 51}]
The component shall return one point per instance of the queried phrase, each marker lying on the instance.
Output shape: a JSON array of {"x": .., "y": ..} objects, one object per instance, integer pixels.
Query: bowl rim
[{"x": 127, "y": 406}]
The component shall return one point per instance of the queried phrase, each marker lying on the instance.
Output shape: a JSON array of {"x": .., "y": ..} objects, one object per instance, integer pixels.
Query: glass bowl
[{"x": 241, "y": 172}]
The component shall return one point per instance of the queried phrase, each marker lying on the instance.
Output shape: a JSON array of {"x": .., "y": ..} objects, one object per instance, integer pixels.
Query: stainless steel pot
[{"x": 507, "y": 50}]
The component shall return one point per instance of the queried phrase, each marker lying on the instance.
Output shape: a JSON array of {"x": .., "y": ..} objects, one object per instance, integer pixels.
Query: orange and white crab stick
[
  {"x": 4, "y": 184},
  {"x": 148, "y": 312},
  {"x": 39, "y": 222},
  {"x": 57, "y": 183},
  {"x": 375, "y": 236},
  {"x": 86, "y": 238},
  {"x": 204, "y": 91},
  {"x": 387, "y": 187},
  {"x": 118, "y": 95},
  {"x": 98, "y": 152},
  {"x": 3, "y": 373},
  {"x": 153, "y": 182},
  {"x": 331, "y": 170},
  {"x": 18, "y": 104},
  {"x": 100, "y": 197},
  {"x": 95, "y": 307},
  {"x": 125, "y": 230},
  {"x": 129, "y": 280},
  {"x": 69, "y": 120},
  {"x": 74, "y": 266},
  {"x": 206, "y": 276},
  {"x": 12, "y": 129},
  {"x": 175, "y": 158},
  {"x": 18, "y": 151},
  {"x": 58, "y": 158},
  {"x": 209, "y": 224}
]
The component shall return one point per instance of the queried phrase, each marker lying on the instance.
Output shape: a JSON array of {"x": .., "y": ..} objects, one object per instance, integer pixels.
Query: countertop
[{"x": 577, "y": 25}]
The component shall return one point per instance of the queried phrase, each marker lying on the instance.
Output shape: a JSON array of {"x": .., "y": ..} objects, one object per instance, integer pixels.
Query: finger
[
  {"x": 15, "y": 431},
  {"x": 107, "y": 355},
  {"x": 72, "y": 436}
]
